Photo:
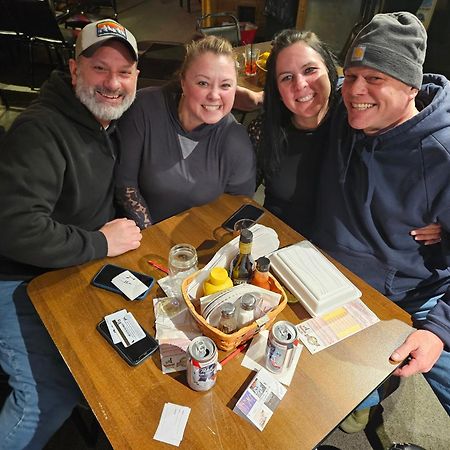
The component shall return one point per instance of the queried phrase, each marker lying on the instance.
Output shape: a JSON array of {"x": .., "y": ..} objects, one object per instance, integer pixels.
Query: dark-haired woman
[{"x": 291, "y": 135}]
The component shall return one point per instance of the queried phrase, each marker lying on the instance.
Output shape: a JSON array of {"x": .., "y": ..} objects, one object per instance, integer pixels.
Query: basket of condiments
[{"x": 240, "y": 268}]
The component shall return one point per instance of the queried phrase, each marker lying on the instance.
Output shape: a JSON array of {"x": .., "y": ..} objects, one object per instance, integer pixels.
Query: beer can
[
  {"x": 281, "y": 346},
  {"x": 202, "y": 363}
]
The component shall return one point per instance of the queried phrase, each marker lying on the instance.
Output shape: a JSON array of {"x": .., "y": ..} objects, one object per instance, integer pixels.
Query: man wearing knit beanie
[
  {"x": 387, "y": 170},
  {"x": 393, "y": 45}
]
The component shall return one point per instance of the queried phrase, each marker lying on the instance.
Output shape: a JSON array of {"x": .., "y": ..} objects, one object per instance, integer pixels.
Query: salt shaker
[
  {"x": 246, "y": 311},
  {"x": 227, "y": 322}
]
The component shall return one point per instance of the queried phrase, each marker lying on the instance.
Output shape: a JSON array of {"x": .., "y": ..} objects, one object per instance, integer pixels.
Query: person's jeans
[
  {"x": 43, "y": 390},
  {"x": 438, "y": 377}
]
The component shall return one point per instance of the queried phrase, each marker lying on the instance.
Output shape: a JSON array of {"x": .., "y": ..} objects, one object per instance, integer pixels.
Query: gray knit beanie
[{"x": 393, "y": 43}]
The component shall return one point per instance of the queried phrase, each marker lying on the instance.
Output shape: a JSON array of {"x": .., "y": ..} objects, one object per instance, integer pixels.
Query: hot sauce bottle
[
  {"x": 261, "y": 274},
  {"x": 241, "y": 269}
]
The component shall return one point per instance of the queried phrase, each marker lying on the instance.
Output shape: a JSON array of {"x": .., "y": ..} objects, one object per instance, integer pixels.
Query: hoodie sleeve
[
  {"x": 32, "y": 175},
  {"x": 438, "y": 320}
]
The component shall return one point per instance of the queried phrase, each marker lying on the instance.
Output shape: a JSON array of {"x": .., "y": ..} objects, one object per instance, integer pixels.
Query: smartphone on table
[
  {"x": 248, "y": 211},
  {"x": 135, "y": 353},
  {"x": 109, "y": 271}
]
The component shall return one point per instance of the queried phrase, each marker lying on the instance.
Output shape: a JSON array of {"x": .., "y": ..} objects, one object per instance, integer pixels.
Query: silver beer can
[
  {"x": 202, "y": 363},
  {"x": 281, "y": 346}
]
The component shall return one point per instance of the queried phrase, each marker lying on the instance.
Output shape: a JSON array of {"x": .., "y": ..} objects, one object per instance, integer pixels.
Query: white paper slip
[
  {"x": 127, "y": 283},
  {"x": 312, "y": 278},
  {"x": 255, "y": 358},
  {"x": 172, "y": 424},
  {"x": 128, "y": 329},
  {"x": 319, "y": 333},
  {"x": 259, "y": 401},
  {"x": 115, "y": 336}
]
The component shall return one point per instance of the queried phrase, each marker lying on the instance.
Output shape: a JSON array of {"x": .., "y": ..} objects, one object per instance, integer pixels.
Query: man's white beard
[{"x": 102, "y": 111}]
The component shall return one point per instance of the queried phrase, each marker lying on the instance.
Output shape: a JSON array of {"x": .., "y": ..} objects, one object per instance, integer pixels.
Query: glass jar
[
  {"x": 246, "y": 311},
  {"x": 227, "y": 322},
  {"x": 182, "y": 259},
  {"x": 182, "y": 263}
]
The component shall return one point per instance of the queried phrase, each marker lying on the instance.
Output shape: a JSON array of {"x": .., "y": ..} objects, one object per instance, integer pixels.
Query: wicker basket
[{"x": 229, "y": 342}]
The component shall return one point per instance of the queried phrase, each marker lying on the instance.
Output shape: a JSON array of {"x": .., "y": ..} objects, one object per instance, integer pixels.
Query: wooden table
[{"x": 128, "y": 401}]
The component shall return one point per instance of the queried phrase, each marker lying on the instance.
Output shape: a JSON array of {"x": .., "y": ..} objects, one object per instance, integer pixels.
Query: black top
[{"x": 291, "y": 192}]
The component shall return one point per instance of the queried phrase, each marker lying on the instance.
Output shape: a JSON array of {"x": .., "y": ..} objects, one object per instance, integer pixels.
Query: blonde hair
[{"x": 213, "y": 44}]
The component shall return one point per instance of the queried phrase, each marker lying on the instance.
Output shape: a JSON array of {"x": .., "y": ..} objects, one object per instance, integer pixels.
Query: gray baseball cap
[{"x": 97, "y": 33}]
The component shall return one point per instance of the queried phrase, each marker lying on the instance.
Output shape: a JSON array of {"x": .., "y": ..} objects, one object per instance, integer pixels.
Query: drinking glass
[
  {"x": 251, "y": 54},
  {"x": 182, "y": 263},
  {"x": 182, "y": 260}
]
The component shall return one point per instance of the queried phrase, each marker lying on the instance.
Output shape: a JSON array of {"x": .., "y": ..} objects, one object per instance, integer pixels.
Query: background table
[
  {"x": 128, "y": 401},
  {"x": 243, "y": 80}
]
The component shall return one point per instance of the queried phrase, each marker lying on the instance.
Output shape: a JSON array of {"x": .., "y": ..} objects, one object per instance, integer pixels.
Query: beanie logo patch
[
  {"x": 358, "y": 53},
  {"x": 110, "y": 28}
]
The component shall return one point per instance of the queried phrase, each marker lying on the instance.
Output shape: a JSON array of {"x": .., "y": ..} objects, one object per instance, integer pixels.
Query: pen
[
  {"x": 234, "y": 353},
  {"x": 158, "y": 266}
]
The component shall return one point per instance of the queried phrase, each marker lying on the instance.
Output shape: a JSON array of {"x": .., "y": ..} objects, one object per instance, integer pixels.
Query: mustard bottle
[{"x": 218, "y": 281}]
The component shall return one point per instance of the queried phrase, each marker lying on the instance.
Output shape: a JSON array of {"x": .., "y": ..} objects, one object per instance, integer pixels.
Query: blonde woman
[{"x": 180, "y": 146}]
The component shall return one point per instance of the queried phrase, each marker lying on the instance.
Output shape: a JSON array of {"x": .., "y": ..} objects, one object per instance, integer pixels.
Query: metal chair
[
  {"x": 224, "y": 24},
  {"x": 7, "y": 35},
  {"x": 13, "y": 57},
  {"x": 37, "y": 21}
]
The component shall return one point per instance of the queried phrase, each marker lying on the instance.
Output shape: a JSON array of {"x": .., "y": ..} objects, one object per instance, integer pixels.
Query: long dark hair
[{"x": 276, "y": 116}]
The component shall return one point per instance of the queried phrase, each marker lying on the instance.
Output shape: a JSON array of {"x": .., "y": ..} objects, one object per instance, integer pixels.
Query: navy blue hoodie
[{"x": 375, "y": 189}]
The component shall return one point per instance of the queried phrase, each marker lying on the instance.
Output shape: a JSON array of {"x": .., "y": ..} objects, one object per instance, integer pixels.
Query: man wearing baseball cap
[
  {"x": 388, "y": 170},
  {"x": 56, "y": 185}
]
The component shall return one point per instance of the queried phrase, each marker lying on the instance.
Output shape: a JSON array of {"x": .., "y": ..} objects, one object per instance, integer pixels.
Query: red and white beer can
[{"x": 202, "y": 363}]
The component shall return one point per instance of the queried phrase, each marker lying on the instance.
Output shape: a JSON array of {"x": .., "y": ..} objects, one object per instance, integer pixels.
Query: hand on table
[
  {"x": 121, "y": 235},
  {"x": 424, "y": 348},
  {"x": 431, "y": 234}
]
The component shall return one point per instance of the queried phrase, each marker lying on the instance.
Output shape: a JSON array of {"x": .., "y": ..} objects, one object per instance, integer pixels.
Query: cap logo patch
[
  {"x": 358, "y": 53},
  {"x": 112, "y": 29}
]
